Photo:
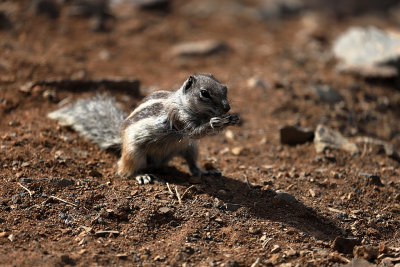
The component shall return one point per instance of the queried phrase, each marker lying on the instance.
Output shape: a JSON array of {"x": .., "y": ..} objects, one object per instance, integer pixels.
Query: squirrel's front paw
[{"x": 217, "y": 122}]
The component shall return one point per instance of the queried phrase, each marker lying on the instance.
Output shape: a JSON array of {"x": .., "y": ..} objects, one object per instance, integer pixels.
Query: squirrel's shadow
[{"x": 262, "y": 204}]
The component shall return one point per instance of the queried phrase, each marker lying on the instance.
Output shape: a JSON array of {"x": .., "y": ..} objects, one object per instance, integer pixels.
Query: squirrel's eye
[{"x": 205, "y": 93}]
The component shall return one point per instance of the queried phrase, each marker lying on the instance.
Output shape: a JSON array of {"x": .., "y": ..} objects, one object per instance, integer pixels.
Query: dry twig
[
  {"x": 62, "y": 200},
  {"x": 178, "y": 195},
  {"x": 29, "y": 191},
  {"x": 265, "y": 243},
  {"x": 187, "y": 190},
  {"x": 256, "y": 263},
  {"x": 170, "y": 191}
]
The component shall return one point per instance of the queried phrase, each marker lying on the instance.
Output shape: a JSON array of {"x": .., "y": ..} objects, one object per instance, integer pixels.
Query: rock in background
[{"x": 369, "y": 52}]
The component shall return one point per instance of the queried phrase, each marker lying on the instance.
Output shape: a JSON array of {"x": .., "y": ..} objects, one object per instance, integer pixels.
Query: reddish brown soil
[{"x": 153, "y": 227}]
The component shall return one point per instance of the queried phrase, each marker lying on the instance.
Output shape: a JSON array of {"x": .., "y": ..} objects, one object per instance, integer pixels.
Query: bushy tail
[{"x": 98, "y": 119}]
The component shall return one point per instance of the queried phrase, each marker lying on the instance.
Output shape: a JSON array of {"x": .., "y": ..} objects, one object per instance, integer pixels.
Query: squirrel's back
[{"x": 98, "y": 119}]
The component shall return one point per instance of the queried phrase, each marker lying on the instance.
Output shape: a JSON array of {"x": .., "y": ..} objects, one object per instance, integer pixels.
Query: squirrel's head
[{"x": 205, "y": 95}]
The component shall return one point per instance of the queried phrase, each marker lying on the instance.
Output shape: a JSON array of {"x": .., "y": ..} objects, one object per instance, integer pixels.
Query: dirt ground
[{"x": 235, "y": 220}]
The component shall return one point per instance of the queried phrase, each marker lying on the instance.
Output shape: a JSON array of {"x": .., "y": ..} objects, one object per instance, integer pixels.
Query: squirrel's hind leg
[
  {"x": 190, "y": 155},
  {"x": 131, "y": 162}
]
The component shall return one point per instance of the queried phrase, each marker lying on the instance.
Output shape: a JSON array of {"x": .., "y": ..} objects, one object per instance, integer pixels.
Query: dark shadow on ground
[{"x": 263, "y": 204}]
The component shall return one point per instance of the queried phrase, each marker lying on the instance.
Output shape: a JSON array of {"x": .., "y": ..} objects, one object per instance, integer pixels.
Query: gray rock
[
  {"x": 380, "y": 145},
  {"x": 327, "y": 94},
  {"x": 198, "y": 48},
  {"x": 164, "y": 210},
  {"x": 281, "y": 195},
  {"x": 293, "y": 135},
  {"x": 328, "y": 138},
  {"x": 369, "y": 52}
]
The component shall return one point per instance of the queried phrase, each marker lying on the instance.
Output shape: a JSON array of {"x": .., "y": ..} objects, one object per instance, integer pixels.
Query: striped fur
[
  {"x": 152, "y": 135},
  {"x": 164, "y": 125}
]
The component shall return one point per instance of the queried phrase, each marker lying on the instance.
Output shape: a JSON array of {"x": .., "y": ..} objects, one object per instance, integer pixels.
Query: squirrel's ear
[{"x": 189, "y": 83}]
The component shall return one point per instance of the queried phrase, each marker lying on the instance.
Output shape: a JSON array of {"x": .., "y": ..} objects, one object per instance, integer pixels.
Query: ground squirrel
[{"x": 164, "y": 125}]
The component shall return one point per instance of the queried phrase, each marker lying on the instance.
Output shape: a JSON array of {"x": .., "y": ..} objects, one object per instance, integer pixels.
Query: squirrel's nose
[{"x": 227, "y": 107}]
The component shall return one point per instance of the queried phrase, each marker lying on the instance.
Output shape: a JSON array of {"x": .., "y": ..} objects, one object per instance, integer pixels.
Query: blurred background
[
  {"x": 316, "y": 84},
  {"x": 78, "y": 38}
]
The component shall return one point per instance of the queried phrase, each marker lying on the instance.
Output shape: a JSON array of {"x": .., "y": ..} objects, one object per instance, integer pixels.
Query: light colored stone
[
  {"x": 230, "y": 135},
  {"x": 11, "y": 238},
  {"x": 237, "y": 151},
  {"x": 368, "y": 51},
  {"x": 257, "y": 82},
  {"x": 328, "y": 138}
]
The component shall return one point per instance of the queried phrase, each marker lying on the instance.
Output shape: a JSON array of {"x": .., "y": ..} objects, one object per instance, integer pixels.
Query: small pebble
[
  {"x": 257, "y": 82},
  {"x": 218, "y": 220},
  {"x": 11, "y": 238},
  {"x": 164, "y": 210},
  {"x": 254, "y": 230},
  {"x": 237, "y": 151},
  {"x": 230, "y": 135}
]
